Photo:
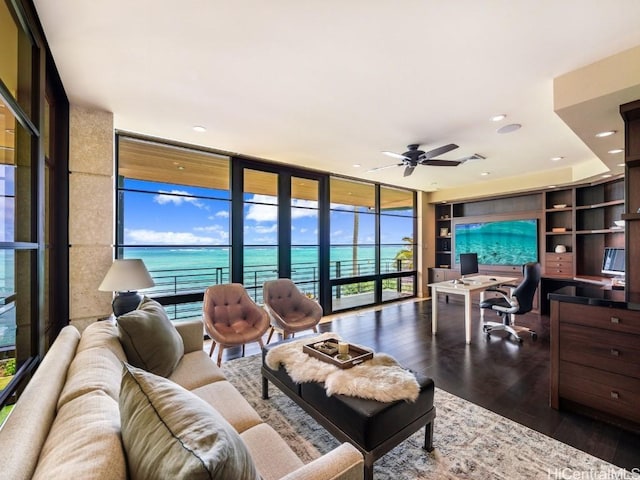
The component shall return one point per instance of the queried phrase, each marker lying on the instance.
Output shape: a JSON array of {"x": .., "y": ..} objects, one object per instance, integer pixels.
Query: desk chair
[{"x": 519, "y": 301}]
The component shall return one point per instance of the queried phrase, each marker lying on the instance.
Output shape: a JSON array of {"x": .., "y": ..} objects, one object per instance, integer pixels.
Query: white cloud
[
  {"x": 262, "y": 213},
  {"x": 304, "y": 230},
  {"x": 266, "y": 210},
  {"x": 263, "y": 229},
  {"x": 302, "y": 213},
  {"x": 222, "y": 214},
  {"x": 177, "y": 197},
  {"x": 336, "y": 233},
  {"x": 153, "y": 237},
  {"x": 222, "y": 235}
]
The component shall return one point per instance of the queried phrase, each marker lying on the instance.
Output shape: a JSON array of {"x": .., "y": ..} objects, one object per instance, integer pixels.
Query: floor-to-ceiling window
[
  {"x": 260, "y": 230},
  {"x": 27, "y": 128},
  {"x": 174, "y": 210},
  {"x": 372, "y": 243},
  {"x": 198, "y": 218}
]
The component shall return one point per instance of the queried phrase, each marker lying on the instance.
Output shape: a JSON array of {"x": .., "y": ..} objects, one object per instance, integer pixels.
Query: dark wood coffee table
[{"x": 372, "y": 427}]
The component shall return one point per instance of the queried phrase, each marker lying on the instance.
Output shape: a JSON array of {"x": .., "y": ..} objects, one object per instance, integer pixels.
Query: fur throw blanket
[{"x": 380, "y": 378}]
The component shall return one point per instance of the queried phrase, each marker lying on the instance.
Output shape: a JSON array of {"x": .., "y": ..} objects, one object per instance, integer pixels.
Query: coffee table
[{"x": 372, "y": 427}]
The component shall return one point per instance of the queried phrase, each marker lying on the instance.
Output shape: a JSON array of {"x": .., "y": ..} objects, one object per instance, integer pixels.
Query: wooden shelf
[
  {"x": 600, "y": 205},
  {"x": 631, "y": 216},
  {"x": 563, "y": 209},
  {"x": 600, "y": 230}
]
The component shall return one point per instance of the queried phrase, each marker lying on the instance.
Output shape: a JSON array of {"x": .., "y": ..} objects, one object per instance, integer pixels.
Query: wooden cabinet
[{"x": 595, "y": 358}]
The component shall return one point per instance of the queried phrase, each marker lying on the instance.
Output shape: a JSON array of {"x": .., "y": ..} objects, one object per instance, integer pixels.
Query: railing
[{"x": 305, "y": 276}]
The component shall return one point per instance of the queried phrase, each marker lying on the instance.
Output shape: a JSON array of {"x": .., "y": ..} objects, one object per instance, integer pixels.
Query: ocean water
[{"x": 189, "y": 269}]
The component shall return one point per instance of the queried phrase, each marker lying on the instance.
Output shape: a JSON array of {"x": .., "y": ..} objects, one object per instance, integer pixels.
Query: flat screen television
[
  {"x": 613, "y": 261},
  {"x": 501, "y": 242}
]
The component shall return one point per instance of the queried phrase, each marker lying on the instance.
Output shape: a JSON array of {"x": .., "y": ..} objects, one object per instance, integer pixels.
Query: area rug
[{"x": 470, "y": 442}]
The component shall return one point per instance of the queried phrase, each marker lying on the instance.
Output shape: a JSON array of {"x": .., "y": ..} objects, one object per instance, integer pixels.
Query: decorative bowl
[
  {"x": 560, "y": 205},
  {"x": 619, "y": 223}
]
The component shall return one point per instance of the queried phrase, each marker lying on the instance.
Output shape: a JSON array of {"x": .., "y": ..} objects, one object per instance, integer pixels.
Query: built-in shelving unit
[
  {"x": 631, "y": 114},
  {"x": 443, "y": 235},
  {"x": 598, "y": 207},
  {"x": 576, "y": 224}
]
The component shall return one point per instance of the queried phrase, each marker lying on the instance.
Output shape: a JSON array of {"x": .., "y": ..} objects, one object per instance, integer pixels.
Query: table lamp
[{"x": 125, "y": 277}]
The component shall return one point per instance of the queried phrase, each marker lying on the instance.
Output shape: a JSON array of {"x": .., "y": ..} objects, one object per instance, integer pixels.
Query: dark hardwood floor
[{"x": 497, "y": 373}]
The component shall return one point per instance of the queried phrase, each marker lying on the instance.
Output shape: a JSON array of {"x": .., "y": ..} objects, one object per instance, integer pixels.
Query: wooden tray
[{"x": 357, "y": 354}]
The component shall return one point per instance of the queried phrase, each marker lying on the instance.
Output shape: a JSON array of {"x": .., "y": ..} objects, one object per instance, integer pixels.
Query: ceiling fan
[{"x": 414, "y": 157}]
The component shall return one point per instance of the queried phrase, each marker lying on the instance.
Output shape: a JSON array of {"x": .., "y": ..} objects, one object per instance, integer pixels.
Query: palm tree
[{"x": 406, "y": 254}]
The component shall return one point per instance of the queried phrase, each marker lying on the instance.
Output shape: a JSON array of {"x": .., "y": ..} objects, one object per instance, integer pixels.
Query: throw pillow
[
  {"x": 149, "y": 339},
  {"x": 169, "y": 432}
]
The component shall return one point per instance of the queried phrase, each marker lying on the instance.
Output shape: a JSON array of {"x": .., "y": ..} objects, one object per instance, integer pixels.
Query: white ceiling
[{"x": 329, "y": 84}]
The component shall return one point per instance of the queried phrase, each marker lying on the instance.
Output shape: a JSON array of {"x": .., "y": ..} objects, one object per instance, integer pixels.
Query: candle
[{"x": 343, "y": 347}]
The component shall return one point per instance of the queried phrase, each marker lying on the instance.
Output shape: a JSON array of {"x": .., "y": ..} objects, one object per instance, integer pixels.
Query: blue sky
[{"x": 179, "y": 215}]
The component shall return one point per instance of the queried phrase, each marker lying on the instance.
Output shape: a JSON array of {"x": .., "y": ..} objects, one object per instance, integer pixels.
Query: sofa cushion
[
  {"x": 25, "y": 431},
  {"x": 229, "y": 403},
  {"x": 195, "y": 370},
  {"x": 168, "y": 432},
  {"x": 84, "y": 441},
  {"x": 97, "y": 364},
  {"x": 150, "y": 340},
  {"x": 273, "y": 457}
]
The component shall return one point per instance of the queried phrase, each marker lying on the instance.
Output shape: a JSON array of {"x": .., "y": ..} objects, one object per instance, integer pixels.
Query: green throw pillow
[
  {"x": 150, "y": 340},
  {"x": 169, "y": 433}
]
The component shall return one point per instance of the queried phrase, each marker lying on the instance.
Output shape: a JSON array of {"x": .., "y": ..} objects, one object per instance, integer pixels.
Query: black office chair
[{"x": 517, "y": 302}]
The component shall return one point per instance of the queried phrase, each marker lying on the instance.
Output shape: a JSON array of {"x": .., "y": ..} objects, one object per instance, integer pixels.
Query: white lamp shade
[{"x": 125, "y": 275}]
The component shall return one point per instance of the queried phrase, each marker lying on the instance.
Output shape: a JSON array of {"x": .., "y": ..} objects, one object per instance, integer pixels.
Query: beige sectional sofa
[{"x": 67, "y": 422}]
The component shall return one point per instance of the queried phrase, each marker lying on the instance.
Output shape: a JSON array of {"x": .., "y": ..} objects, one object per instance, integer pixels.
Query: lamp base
[{"x": 125, "y": 302}]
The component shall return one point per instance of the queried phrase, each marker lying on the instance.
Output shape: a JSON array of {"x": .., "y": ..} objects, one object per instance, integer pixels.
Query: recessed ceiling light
[
  {"x": 512, "y": 127},
  {"x": 616, "y": 150},
  {"x": 552, "y": 186},
  {"x": 606, "y": 175},
  {"x": 608, "y": 133},
  {"x": 484, "y": 174},
  {"x": 356, "y": 165},
  {"x": 497, "y": 118},
  {"x": 180, "y": 167},
  {"x": 620, "y": 165},
  {"x": 199, "y": 128},
  {"x": 556, "y": 159}
]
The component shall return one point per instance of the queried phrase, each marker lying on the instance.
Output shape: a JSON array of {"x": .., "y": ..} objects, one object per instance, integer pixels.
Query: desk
[{"x": 472, "y": 284}]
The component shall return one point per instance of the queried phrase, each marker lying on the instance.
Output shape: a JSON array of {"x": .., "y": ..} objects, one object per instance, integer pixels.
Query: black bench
[{"x": 372, "y": 427}]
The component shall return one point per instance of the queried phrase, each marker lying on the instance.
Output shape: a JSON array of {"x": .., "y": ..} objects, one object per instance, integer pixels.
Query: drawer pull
[
  {"x": 615, "y": 353},
  {"x": 615, "y": 395},
  {"x": 615, "y": 320}
]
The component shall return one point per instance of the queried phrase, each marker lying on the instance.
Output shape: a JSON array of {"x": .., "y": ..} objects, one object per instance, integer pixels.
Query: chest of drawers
[
  {"x": 595, "y": 358},
  {"x": 559, "y": 264}
]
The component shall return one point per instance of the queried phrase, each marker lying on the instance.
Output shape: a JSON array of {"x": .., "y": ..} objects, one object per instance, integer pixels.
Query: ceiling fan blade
[
  {"x": 396, "y": 155},
  {"x": 409, "y": 170},
  {"x": 375, "y": 169},
  {"x": 442, "y": 163},
  {"x": 438, "y": 151}
]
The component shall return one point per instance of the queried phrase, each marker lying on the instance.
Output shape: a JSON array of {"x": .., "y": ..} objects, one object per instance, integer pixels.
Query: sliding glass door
[{"x": 280, "y": 229}]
